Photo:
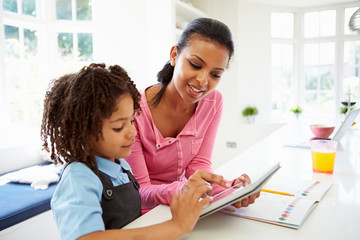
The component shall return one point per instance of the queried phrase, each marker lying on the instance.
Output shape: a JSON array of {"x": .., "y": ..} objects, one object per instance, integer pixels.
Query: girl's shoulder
[
  {"x": 76, "y": 167},
  {"x": 125, "y": 165},
  {"x": 78, "y": 172},
  {"x": 77, "y": 181}
]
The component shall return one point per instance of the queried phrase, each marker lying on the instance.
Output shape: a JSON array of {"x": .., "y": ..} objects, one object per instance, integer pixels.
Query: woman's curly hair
[{"x": 75, "y": 107}]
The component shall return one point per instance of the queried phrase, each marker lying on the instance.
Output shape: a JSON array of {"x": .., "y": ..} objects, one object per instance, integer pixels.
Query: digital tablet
[{"x": 236, "y": 192}]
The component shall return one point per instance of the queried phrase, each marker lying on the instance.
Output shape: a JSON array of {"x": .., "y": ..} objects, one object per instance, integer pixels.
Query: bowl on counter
[{"x": 321, "y": 130}]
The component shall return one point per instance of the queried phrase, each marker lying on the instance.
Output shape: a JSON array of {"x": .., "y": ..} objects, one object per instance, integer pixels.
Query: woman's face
[
  {"x": 198, "y": 68},
  {"x": 118, "y": 131}
]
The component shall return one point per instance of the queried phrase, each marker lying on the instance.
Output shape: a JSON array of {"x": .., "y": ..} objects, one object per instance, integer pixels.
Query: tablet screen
[
  {"x": 226, "y": 192},
  {"x": 237, "y": 192}
]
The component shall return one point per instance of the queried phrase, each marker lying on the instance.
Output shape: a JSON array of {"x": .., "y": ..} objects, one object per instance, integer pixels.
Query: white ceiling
[{"x": 301, "y": 3}]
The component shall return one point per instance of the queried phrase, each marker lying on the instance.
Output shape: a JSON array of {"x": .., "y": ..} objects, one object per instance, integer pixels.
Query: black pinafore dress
[{"x": 122, "y": 204}]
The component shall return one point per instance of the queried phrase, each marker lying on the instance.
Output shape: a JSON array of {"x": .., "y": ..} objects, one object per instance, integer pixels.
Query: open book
[{"x": 286, "y": 204}]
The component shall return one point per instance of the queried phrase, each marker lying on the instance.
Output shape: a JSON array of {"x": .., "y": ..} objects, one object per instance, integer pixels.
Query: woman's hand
[
  {"x": 245, "y": 179},
  {"x": 201, "y": 177},
  {"x": 187, "y": 206}
]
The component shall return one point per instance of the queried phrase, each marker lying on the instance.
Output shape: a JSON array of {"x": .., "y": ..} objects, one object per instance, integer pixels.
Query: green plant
[
  {"x": 343, "y": 109},
  {"x": 250, "y": 111},
  {"x": 296, "y": 109}
]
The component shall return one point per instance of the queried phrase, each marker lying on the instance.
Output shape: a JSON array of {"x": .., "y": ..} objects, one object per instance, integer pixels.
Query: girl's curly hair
[{"x": 75, "y": 106}]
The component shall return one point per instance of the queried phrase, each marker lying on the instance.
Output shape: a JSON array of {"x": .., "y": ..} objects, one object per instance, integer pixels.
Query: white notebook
[{"x": 284, "y": 210}]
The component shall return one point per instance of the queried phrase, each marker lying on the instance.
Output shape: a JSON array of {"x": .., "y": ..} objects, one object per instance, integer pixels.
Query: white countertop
[{"x": 337, "y": 216}]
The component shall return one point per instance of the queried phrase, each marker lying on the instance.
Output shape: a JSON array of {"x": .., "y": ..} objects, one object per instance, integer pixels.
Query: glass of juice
[{"x": 323, "y": 154}]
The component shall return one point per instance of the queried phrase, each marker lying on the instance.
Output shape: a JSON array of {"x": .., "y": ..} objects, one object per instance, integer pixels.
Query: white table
[{"x": 337, "y": 216}]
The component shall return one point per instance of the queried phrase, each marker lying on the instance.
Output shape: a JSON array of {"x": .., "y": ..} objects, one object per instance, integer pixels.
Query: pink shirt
[{"x": 162, "y": 165}]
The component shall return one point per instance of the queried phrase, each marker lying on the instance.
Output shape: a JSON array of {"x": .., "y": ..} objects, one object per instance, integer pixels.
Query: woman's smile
[{"x": 194, "y": 91}]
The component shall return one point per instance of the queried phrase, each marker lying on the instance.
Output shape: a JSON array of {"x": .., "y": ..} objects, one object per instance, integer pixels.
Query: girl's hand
[
  {"x": 187, "y": 206},
  {"x": 245, "y": 179}
]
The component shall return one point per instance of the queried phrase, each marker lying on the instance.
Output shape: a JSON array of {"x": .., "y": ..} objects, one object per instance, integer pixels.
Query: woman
[{"x": 181, "y": 115}]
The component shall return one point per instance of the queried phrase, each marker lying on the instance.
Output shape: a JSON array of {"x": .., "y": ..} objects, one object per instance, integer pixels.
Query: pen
[{"x": 276, "y": 192}]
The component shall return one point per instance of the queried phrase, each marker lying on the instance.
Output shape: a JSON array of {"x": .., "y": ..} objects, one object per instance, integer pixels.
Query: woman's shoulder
[
  {"x": 217, "y": 94},
  {"x": 147, "y": 95},
  {"x": 214, "y": 96},
  {"x": 150, "y": 92}
]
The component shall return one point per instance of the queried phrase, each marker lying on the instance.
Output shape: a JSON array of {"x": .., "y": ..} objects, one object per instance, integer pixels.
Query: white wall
[
  {"x": 247, "y": 81},
  {"x": 136, "y": 35},
  {"x": 119, "y": 35},
  {"x": 254, "y": 59},
  {"x": 160, "y": 33}
]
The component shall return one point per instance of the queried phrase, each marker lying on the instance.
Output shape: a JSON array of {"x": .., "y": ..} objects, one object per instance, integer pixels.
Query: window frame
[
  {"x": 276, "y": 114},
  {"x": 47, "y": 28}
]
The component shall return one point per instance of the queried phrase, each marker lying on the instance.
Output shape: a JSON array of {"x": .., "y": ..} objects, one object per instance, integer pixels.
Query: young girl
[{"x": 88, "y": 124}]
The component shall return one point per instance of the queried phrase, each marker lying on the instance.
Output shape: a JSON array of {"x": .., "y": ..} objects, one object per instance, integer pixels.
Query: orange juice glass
[{"x": 323, "y": 154}]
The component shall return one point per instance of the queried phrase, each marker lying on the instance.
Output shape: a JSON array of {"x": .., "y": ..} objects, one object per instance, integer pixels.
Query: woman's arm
[
  {"x": 151, "y": 194},
  {"x": 154, "y": 194},
  {"x": 202, "y": 160}
]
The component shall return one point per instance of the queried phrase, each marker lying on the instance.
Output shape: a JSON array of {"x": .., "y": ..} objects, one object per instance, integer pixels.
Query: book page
[
  {"x": 306, "y": 188},
  {"x": 283, "y": 210}
]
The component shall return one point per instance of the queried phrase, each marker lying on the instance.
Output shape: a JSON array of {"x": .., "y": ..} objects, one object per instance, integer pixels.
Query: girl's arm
[{"x": 185, "y": 209}]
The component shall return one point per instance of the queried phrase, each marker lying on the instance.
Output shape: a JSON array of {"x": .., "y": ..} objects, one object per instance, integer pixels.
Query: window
[
  {"x": 282, "y": 25},
  {"x": 282, "y": 59},
  {"x": 66, "y": 48},
  {"x": 319, "y": 59},
  {"x": 282, "y": 76},
  {"x": 28, "y": 68},
  {"x": 319, "y": 24},
  {"x": 22, "y": 69},
  {"x": 351, "y": 75},
  {"x": 21, "y": 46},
  {"x": 10, "y": 5},
  {"x": 74, "y": 47},
  {"x": 319, "y": 62},
  {"x": 330, "y": 62},
  {"x": 69, "y": 10},
  {"x": 351, "y": 61}
]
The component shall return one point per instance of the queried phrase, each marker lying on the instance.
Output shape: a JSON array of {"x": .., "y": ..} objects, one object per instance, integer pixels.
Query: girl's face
[
  {"x": 118, "y": 131},
  {"x": 198, "y": 68}
]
